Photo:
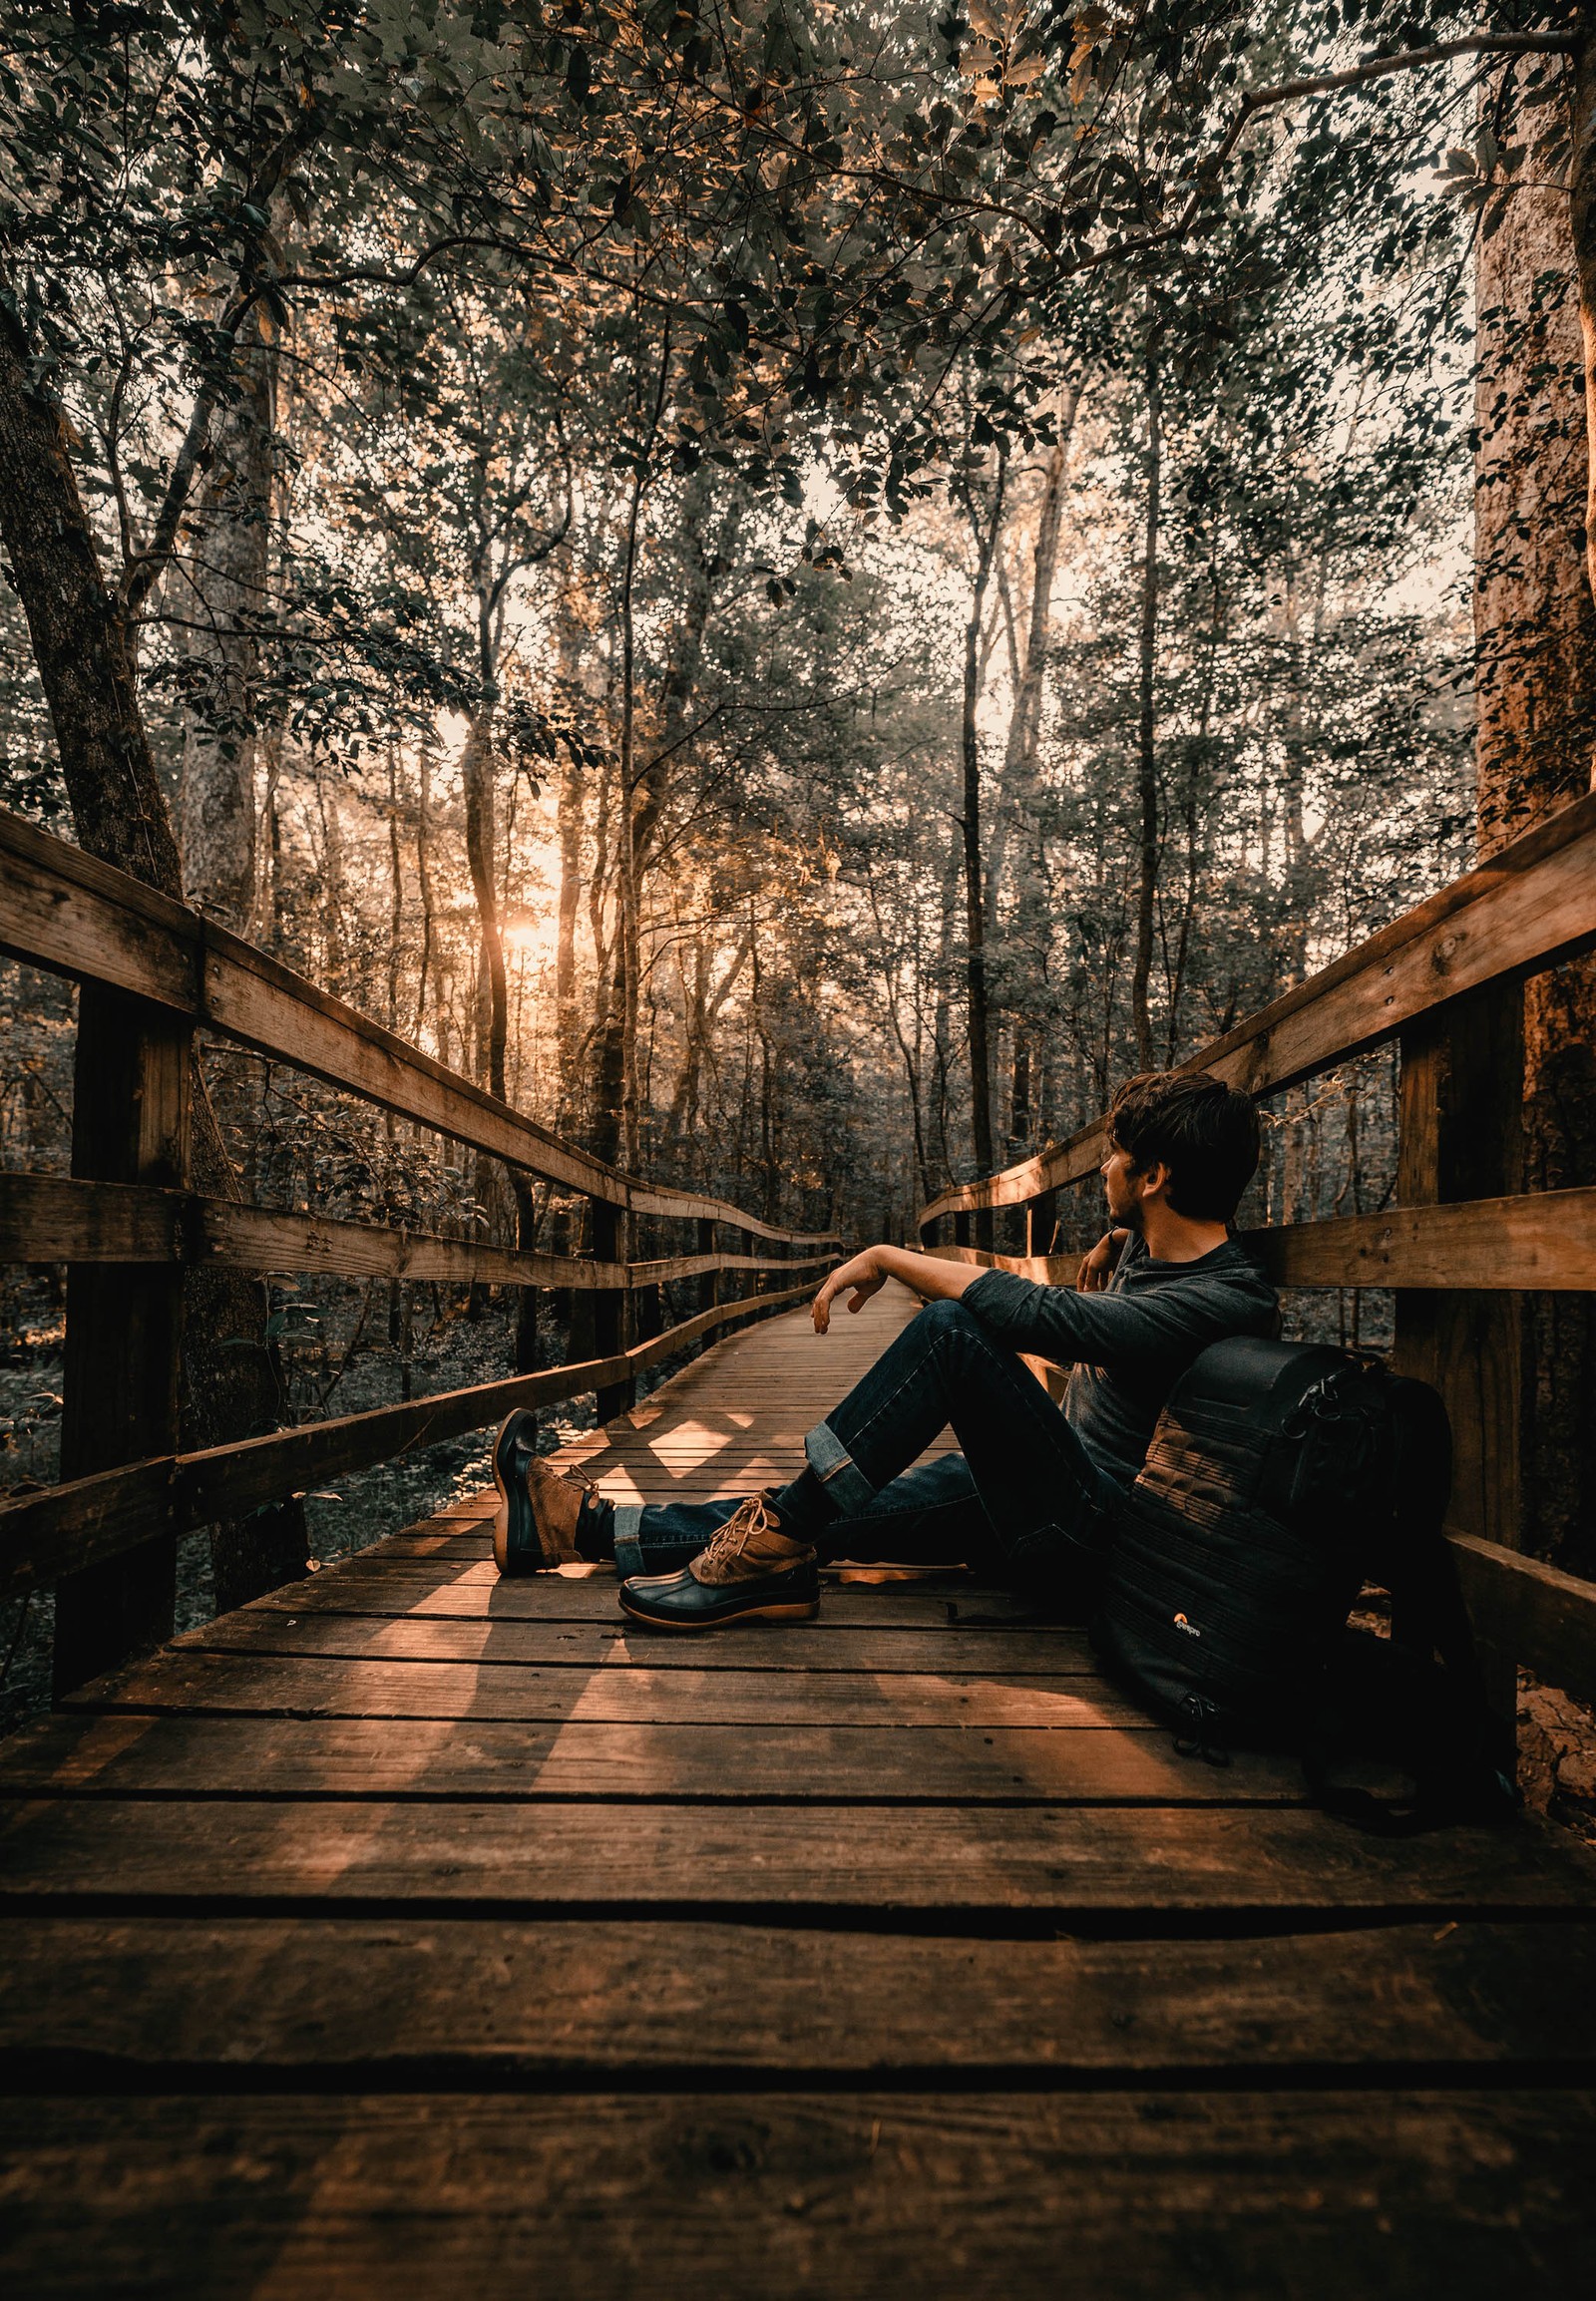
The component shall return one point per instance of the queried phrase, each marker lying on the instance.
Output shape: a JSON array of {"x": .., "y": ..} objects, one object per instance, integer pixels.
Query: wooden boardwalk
[{"x": 409, "y": 1933}]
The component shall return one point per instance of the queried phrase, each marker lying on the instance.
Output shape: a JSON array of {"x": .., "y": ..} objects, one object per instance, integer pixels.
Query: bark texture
[
  {"x": 216, "y": 589},
  {"x": 85, "y": 661},
  {"x": 1537, "y": 626}
]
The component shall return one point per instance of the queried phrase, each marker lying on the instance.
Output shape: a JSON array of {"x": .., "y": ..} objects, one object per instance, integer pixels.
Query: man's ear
[{"x": 1153, "y": 1181}]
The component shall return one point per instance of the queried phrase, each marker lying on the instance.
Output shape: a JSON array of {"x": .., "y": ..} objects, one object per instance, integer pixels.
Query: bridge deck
[{"x": 411, "y": 1932}]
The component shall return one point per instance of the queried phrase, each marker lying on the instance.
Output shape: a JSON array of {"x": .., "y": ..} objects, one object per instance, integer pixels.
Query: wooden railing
[
  {"x": 128, "y": 1224},
  {"x": 1462, "y": 1242}
]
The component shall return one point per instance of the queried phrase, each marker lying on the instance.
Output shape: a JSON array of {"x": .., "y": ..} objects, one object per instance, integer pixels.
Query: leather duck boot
[
  {"x": 751, "y": 1571},
  {"x": 535, "y": 1525}
]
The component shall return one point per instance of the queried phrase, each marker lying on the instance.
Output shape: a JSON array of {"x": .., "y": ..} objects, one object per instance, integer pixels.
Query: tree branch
[{"x": 1323, "y": 84}]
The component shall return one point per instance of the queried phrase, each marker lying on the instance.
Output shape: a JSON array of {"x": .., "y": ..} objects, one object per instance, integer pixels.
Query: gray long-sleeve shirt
[{"x": 1128, "y": 1346}]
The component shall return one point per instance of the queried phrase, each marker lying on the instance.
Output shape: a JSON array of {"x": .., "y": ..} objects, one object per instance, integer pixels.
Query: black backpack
[{"x": 1280, "y": 1478}]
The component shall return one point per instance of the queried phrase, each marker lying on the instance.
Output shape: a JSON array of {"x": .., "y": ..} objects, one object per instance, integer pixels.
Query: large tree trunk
[
  {"x": 985, "y": 524},
  {"x": 477, "y": 779},
  {"x": 85, "y": 661},
  {"x": 1535, "y": 623},
  {"x": 219, "y": 585},
  {"x": 80, "y": 640},
  {"x": 1024, "y": 720},
  {"x": 1147, "y": 731}
]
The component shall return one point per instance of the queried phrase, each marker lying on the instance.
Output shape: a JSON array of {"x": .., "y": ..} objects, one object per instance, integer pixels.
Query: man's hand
[
  {"x": 1099, "y": 1267},
  {"x": 861, "y": 1275}
]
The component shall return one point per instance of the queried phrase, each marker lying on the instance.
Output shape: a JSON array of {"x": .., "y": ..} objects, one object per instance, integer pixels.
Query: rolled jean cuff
[
  {"x": 837, "y": 1471},
  {"x": 628, "y": 1545}
]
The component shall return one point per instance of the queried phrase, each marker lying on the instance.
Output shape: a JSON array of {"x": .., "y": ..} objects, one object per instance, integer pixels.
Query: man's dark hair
[{"x": 1204, "y": 1132}]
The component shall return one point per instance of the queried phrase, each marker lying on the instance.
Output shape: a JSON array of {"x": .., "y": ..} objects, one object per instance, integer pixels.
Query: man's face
[{"x": 1120, "y": 1188}]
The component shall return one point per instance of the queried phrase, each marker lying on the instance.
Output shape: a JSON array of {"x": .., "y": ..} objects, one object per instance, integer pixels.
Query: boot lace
[{"x": 754, "y": 1516}]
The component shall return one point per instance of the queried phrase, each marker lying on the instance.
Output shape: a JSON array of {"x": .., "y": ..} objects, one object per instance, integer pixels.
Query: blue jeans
[{"x": 1023, "y": 1501}]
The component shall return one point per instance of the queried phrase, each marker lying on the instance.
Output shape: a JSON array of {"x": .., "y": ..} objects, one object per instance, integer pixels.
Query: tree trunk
[
  {"x": 221, "y": 583},
  {"x": 1146, "y": 747},
  {"x": 1024, "y": 721},
  {"x": 1536, "y": 627},
  {"x": 477, "y": 780},
  {"x": 80, "y": 640},
  {"x": 85, "y": 663},
  {"x": 567, "y": 1023},
  {"x": 1582, "y": 223},
  {"x": 985, "y": 530}
]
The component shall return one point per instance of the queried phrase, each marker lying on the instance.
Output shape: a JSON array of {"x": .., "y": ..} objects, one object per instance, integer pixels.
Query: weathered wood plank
[
  {"x": 1546, "y": 1618},
  {"x": 997, "y": 1868},
  {"x": 129, "y": 1753},
  {"x": 85, "y": 2000},
  {"x": 368, "y": 1583},
  {"x": 801, "y": 1652},
  {"x": 200, "y": 1684},
  {"x": 1145, "y": 2196},
  {"x": 1539, "y": 1239},
  {"x": 1530, "y": 906},
  {"x": 59, "y": 1217}
]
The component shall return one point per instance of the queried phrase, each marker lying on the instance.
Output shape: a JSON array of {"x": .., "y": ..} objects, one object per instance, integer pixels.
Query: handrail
[
  {"x": 1531, "y": 905},
  {"x": 65, "y": 911},
  {"x": 62, "y": 1219},
  {"x": 1540, "y": 1240}
]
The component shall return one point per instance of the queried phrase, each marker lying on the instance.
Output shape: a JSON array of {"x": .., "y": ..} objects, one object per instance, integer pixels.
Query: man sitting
[{"x": 1029, "y": 1497}]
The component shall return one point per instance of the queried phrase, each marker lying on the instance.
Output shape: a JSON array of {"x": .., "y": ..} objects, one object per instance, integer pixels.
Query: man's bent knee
[{"x": 950, "y": 1317}]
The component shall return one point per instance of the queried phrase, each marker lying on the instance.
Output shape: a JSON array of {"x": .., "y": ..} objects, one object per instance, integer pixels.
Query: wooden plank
[
  {"x": 800, "y": 1650},
  {"x": 991, "y": 1868},
  {"x": 369, "y": 1584},
  {"x": 87, "y": 2002},
  {"x": 58, "y": 1218},
  {"x": 62, "y": 909},
  {"x": 1546, "y": 1618},
  {"x": 1531, "y": 905},
  {"x": 132, "y": 1754},
  {"x": 1544, "y": 1239},
  {"x": 760, "y": 2197},
  {"x": 1541, "y": 1239},
  {"x": 198, "y": 1684},
  {"x": 73, "y": 1525}
]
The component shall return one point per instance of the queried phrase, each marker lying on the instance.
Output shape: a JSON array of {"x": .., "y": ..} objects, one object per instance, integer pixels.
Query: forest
[{"x": 795, "y": 590}]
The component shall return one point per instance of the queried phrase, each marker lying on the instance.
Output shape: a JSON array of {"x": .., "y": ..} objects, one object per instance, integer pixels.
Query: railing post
[
  {"x": 525, "y": 1338},
  {"x": 609, "y": 1230},
  {"x": 709, "y": 1282},
  {"x": 1461, "y": 1137},
  {"x": 1042, "y": 1222},
  {"x": 130, "y": 1124}
]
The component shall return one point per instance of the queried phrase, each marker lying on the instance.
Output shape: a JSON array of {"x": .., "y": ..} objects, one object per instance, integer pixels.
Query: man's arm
[{"x": 932, "y": 1279}]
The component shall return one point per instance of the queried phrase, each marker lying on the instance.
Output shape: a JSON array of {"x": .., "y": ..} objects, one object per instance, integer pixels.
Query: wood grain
[
  {"x": 59, "y": 1218},
  {"x": 1537, "y": 1239},
  {"x": 1144, "y": 2195},
  {"x": 471, "y": 2001},
  {"x": 123, "y": 1753},
  {"x": 947, "y": 1868},
  {"x": 799, "y": 1651}
]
